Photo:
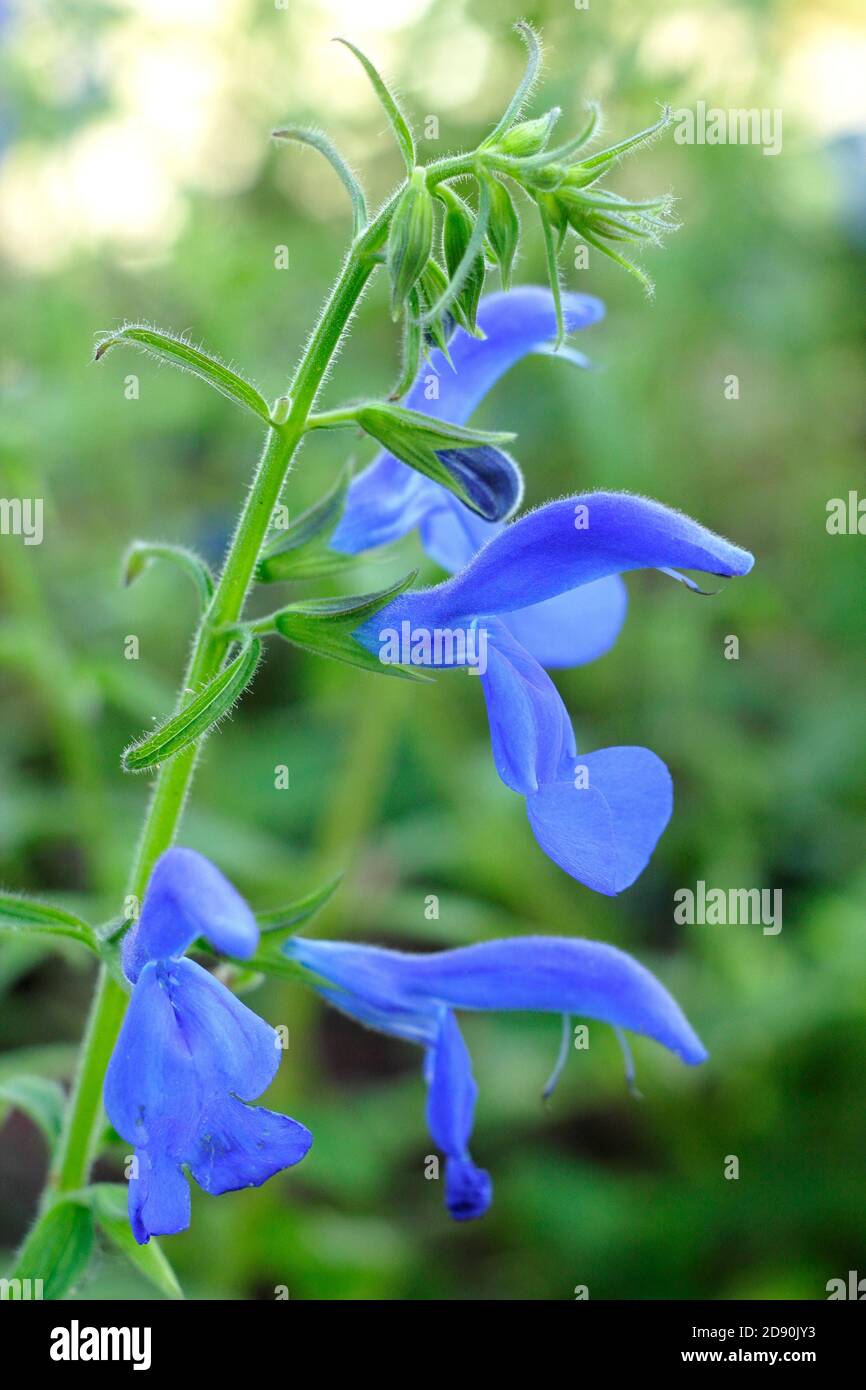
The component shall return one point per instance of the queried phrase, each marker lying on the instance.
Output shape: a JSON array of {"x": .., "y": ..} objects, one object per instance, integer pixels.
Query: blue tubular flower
[
  {"x": 190, "y": 1054},
  {"x": 601, "y": 818},
  {"x": 388, "y": 499},
  {"x": 413, "y": 997}
]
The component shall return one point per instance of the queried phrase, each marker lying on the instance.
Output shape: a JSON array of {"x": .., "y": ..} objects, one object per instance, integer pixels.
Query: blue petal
[
  {"x": 243, "y": 1146},
  {"x": 189, "y": 1053},
  {"x": 602, "y": 827},
  {"x": 574, "y": 628},
  {"x": 488, "y": 477},
  {"x": 561, "y": 547},
  {"x": 536, "y": 973},
  {"x": 188, "y": 897},
  {"x": 529, "y": 727},
  {"x": 450, "y": 1113},
  {"x": 451, "y": 534},
  {"x": 388, "y": 500}
]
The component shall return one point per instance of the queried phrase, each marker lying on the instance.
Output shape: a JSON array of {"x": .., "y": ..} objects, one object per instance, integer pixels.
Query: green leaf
[
  {"x": 41, "y": 1100},
  {"x": 527, "y": 82},
  {"x": 396, "y": 119},
  {"x": 167, "y": 347},
  {"x": 57, "y": 1250},
  {"x": 417, "y": 440},
  {"x": 25, "y": 915},
  {"x": 283, "y": 920},
  {"x": 141, "y": 555},
  {"x": 304, "y": 135},
  {"x": 468, "y": 264},
  {"x": 196, "y": 719},
  {"x": 325, "y": 626},
  {"x": 108, "y": 1203},
  {"x": 300, "y": 551},
  {"x": 503, "y": 229}
]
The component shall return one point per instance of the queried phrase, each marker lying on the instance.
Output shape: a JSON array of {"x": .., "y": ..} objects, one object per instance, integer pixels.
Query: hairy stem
[{"x": 84, "y": 1115}]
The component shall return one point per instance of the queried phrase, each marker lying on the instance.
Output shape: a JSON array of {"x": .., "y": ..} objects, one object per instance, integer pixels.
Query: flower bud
[
  {"x": 528, "y": 137},
  {"x": 410, "y": 239},
  {"x": 503, "y": 229},
  {"x": 456, "y": 233}
]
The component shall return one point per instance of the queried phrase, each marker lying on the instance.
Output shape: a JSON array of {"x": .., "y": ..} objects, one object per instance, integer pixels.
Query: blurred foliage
[{"x": 137, "y": 183}]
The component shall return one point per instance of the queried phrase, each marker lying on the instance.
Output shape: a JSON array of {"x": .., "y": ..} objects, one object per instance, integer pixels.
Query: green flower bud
[
  {"x": 456, "y": 232},
  {"x": 528, "y": 137},
  {"x": 410, "y": 239},
  {"x": 503, "y": 230}
]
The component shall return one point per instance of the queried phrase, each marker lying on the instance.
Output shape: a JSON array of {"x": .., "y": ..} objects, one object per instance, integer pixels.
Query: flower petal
[
  {"x": 575, "y": 628},
  {"x": 188, "y": 897},
  {"x": 529, "y": 726},
  {"x": 450, "y": 1112},
  {"x": 243, "y": 1145},
  {"x": 560, "y": 547},
  {"x": 387, "y": 500},
  {"x": 546, "y": 974},
  {"x": 602, "y": 827}
]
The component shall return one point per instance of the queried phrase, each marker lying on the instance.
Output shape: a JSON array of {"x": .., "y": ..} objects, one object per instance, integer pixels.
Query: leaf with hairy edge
[
  {"x": 198, "y": 717},
  {"x": 396, "y": 119},
  {"x": 301, "y": 550},
  {"x": 325, "y": 626},
  {"x": 142, "y": 553},
  {"x": 56, "y": 1253},
  {"x": 25, "y": 915},
  {"x": 167, "y": 347},
  {"x": 40, "y": 1099}
]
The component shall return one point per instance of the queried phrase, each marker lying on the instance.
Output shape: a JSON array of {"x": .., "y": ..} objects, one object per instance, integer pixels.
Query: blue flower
[
  {"x": 414, "y": 997},
  {"x": 388, "y": 499},
  {"x": 598, "y": 816},
  {"x": 190, "y": 1054}
]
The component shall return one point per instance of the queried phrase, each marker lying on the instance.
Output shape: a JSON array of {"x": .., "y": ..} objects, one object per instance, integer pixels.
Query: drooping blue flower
[
  {"x": 414, "y": 997},
  {"x": 388, "y": 499},
  {"x": 190, "y": 1054},
  {"x": 600, "y": 815}
]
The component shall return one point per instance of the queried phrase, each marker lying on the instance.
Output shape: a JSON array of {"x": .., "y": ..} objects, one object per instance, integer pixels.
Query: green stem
[{"x": 84, "y": 1117}]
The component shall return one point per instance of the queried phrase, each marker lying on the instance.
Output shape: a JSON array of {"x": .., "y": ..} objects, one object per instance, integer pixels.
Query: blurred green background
[{"x": 137, "y": 181}]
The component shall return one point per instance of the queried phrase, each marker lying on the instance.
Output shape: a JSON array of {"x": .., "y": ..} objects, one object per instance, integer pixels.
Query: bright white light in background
[
  {"x": 353, "y": 19},
  {"x": 824, "y": 78}
]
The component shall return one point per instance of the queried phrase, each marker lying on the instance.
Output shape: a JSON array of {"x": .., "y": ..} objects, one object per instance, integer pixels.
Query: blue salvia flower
[
  {"x": 388, "y": 499},
  {"x": 600, "y": 816},
  {"x": 190, "y": 1054},
  {"x": 414, "y": 997}
]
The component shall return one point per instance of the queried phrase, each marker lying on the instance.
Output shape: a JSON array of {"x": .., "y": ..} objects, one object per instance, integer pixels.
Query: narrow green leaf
[
  {"x": 473, "y": 251},
  {"x": 25, "y": 915},
  {"x": 631, "y": 142},
  {"x": 108, "y": 1203},
  {"x": 300, "y": 551},
  {"x": 525, "y": 86},
  {"x": 318, "y": 140},
  {"x": 41, "y": 1100},
  {"x": 141, "y": 554},
  {"x": 553, "y": 274},
  {"x": 285, "y": 919},
  {"x": 167, "y": 347},
  {"x": 325, "y": 626},
  {"x": 196, "y": 719},
  {"x": 397, "y": 120},
  {"x": 57, "y": 1250}
]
